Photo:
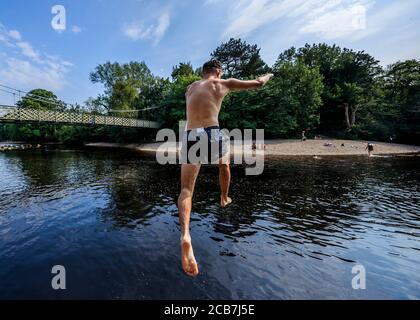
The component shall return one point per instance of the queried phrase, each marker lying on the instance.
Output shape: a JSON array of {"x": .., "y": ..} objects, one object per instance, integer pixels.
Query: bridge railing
[{"x": 14, "y": 114}]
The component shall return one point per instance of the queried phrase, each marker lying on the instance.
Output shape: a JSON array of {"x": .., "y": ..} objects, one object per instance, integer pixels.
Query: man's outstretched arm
[{"x": 236, "y": 84}]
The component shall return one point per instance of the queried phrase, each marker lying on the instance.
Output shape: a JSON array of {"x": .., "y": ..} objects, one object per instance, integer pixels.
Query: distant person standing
[
  {"x": 303, "y": 136},
  {"x": 369, "y": 148}
]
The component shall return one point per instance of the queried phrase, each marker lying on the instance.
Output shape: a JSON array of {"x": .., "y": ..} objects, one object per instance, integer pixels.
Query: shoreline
[{"x": 287, "y": 147}]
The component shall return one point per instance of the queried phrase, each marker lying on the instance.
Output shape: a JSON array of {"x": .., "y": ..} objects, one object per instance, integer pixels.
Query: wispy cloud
[
  {"x": 328, "y": 19},
  {"x": 15, "y": 34},
  {"x": 76, "y": 29},
  {"x": 210, "y": 2},
  {"x": 339, "y": 21},
  {"x": 25, "y": 67},
  {"x": 162, "y": 26},
  {"x": 378, "y": 27},
  {"x": 392, "y": 18},
  {"x": 155, "y": 32},
  {"x": 24, "y": 74},
  {"x": 247, "y": 16},
  {"x": 28, "y": 51},
  {"x": 135, "y": 31}
]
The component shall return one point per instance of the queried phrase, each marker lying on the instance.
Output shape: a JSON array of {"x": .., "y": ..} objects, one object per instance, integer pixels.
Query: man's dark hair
[{"x": 211, "y": 66}]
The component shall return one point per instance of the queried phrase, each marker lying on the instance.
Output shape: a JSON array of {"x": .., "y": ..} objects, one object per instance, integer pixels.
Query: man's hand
[{"x": 264, "y": 79}]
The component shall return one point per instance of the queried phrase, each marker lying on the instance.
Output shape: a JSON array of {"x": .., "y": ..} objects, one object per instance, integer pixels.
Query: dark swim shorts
[{"x": 204, "y": 145}]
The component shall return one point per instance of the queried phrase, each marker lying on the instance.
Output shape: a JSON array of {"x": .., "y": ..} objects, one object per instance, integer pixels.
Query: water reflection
[{"x": 114, "y": 214}]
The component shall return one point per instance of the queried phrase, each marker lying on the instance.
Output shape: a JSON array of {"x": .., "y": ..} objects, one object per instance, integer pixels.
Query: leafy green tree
[
  {"x": 240, "y": 59},
  {"x": 173, "y": 99},
  {"x": 293, "y": 99},
  {"x": 287, "y": 104},
  {"x": 402, "y": 91},
  {"x": 182, "y": 69},
  {"x": 126, "y": 85},
  {"x": 41, "y": 99},
  {"x": 348, "y": 77}
]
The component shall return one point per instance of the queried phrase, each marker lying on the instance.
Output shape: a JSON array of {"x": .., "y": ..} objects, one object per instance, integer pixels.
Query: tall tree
[
  {"x": 173, "y": 100},
  {"x": 182, "y": 69},
  {"x": 348, "y": 76},
  {"x": 287, "y": 104},
  {"x": 402, "y": 90},
  {"x": 240, "y": 59},
  {"x": 41, "y": 99},
  {"x": 126, "y": 85},
  {"x": 293, "y": 98}
]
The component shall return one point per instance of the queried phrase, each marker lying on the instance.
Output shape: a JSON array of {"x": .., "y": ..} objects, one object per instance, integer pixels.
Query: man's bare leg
[
  {"x": 224, "y": 181},
  {"x": 189, "y": 174}
]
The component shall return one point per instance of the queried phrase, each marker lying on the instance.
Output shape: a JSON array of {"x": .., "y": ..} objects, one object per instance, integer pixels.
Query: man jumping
[{"x": 204, "y": 99}]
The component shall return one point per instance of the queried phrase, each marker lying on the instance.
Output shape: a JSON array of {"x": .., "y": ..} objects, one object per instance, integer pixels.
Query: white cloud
[
  {"x": 210, "y": 2},
  {"x": 347, "y": 20},
  {"x": 388, "y": 30},
  {"x": 327, "y": 18},
  {"x": 154, "y": 32},
  {"x": 15, "y": 34},
  {"x": 76, "y": 29},
  {"x": 135, "y": 31},
  {"x": 391, "y": 18},
  {"x": 247, "y": 16},
  {"x": 29, "y": 68},
  {"x": 5, "y": 37},
  {"x": 339, "y": 22},
  {"x": 28, "y": 51},
  {"x": 24, "y": 74},
  {"x": 163, "y": 24}
]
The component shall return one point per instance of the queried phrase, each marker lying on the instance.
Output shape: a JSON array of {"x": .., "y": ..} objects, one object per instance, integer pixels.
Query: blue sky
[{"x": 164, "y": 32}]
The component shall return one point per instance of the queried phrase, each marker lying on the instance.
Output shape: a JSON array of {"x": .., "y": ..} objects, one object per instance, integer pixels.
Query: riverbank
[
  {"x": 7, "y": 146},
  {"x": 287, "y": 147}
]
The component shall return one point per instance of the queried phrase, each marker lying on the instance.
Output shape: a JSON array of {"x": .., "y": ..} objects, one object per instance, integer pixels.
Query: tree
[
  {"x": 173, "y": 100},
  {"x": 126, "y": 85},
  {"x": 240, "y": 59},
  {"x": 356, "y": 76},
  {"x": 41, "y": 99},
  {"x": 287, "y": 104},
  {"x": 293, "y": 98},
  {"x": 402, "y": 91},
  {"x": 348, "y": 77},
  {"x": 182, "y": 69}
]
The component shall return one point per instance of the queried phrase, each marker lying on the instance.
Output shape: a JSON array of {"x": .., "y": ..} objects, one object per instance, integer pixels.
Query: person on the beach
[
  {"x": 303, "y": 136},
  {"x": 369, "y": 148},
  {"x": 204, "y": 99}
]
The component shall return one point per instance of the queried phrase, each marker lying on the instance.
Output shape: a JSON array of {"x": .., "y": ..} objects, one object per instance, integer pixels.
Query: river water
[{"x": 295, "y": 232}]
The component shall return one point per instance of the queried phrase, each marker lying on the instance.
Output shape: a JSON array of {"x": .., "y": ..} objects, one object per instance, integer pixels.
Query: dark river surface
[{"x": 294, "y": 232}]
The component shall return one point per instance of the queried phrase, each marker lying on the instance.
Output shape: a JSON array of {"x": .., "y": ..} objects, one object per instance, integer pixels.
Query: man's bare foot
[
  {"x": 224, "y": 201},
  {"x": 187, "y": 257}
]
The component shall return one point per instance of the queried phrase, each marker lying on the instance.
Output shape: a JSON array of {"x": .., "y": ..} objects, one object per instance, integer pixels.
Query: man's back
[{"x": 204, "y": 99}]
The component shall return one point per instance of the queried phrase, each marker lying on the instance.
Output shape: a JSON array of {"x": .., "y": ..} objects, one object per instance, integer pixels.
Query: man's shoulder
[
  {"x": 221, "y": 82},
  {"x": 191, "y": 85}
]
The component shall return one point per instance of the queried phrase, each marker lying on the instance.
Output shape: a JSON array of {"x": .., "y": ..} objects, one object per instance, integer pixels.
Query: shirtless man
[{"x": 204, "y": 99}]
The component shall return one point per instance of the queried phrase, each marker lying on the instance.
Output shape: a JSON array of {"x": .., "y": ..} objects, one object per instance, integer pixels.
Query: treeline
[{"x": 318, "y": 88}]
